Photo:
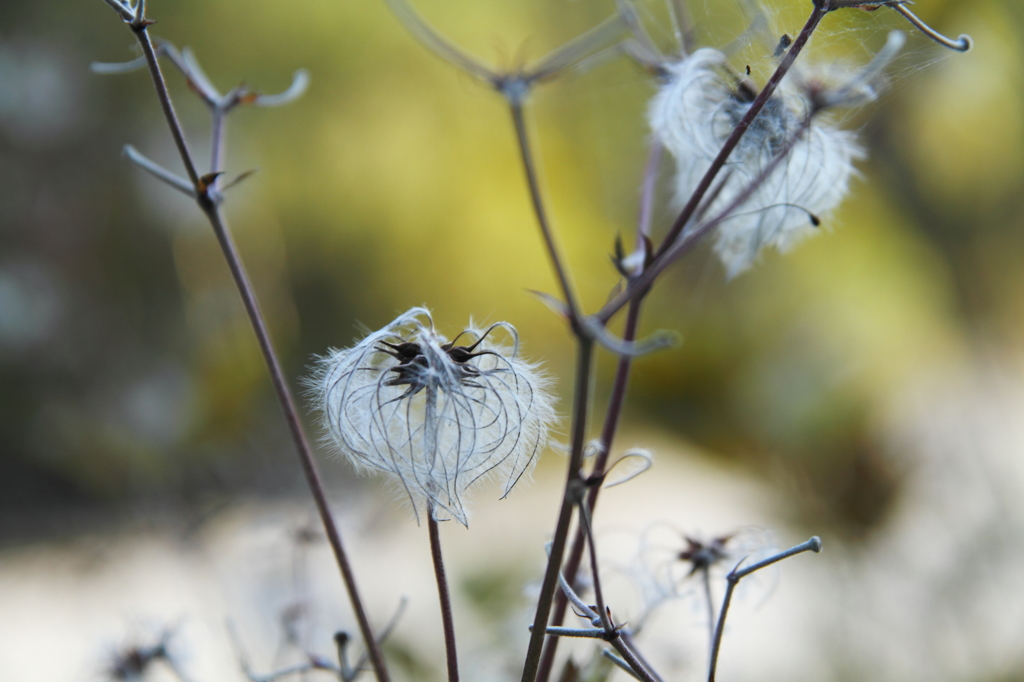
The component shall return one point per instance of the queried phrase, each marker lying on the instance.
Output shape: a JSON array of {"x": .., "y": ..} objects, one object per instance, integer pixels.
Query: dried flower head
[
  {"x": 694, "y": 113},
  {"x": 437, "y": 415},
  {"x": 701, "y": 554}
]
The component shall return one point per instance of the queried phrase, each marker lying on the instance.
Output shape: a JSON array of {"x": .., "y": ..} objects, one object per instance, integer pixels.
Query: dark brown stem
[
  {"x": 529, "y": 166},
  {"x": 165, "y": 102},
  {"x": 588, "y": 530},
  {"x": 612, "y": 634},
  {"x": 611, "y": 420},
  {"x": 581, "y": 400},
  {"x": 245, "y": 290},
  {"x": 445, "y": 598},
  {"x": 611, "y": 423},
  {"x": 291, "y": 415}
]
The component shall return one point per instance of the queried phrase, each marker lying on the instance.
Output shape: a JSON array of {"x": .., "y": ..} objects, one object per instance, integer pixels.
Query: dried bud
[{"x": 437, "y": 415}]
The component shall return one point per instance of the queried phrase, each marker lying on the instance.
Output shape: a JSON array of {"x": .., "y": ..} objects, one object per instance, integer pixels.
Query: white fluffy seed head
[
  {"x": 694, "y": 113},
  {"x": 435, "y": 415}
]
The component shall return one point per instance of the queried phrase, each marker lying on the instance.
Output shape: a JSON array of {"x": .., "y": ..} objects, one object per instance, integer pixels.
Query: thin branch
[
  {"x": 614, "y": 411},
  {"x": 617, "y": 660},
  {"x": 581, "y": 401},
  {"x": 590, "y": 633},
  {"x": 627, "y": 639},
  {"x": 962, "y": 44},
  {"x": 140, "y": 13},
  {"x": 641, "y": 37},
  {"x": 199, "y": 84},
  {"x": 291, "y": 414},
  {"x": 297, "y": 669},
  {"x": 433, "y": 41},
  {"x": 659, "y": 340},
  {"x": 705, "y": 575},
  {"x": 648, "y": 186},
  {"x": 682, "y": 25},
  {"x": 157, "y": 171},
  {"x": 583, "y": 610},
  {"x": 189, "y": 65},
  {"x": 122, "y": 9},
  {"x": 165, "y": 103},
  {"x": 117, "y": 68},
  {"x": 382, "y": 637},
  {"x": 612, "y": 633},
  {"x": 444, "y": 597},
  {"x": 603, "y": 627},
  {"x": 300, "y": 83},
  {"x": 588, "y": 529},
  {"x": 538, "y": 208},
  {"x": 217, "y": 125},
  {"x": 209, "y": 207},
  {"x": 733, "y": 579},
  {"x": 633, "y": 661},
  {"x": 576, "y": 50}
]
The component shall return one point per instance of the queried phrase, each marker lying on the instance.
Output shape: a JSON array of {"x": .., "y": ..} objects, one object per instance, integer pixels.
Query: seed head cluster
[
  {"x": 694, "y": 113},
  {"x": 436, "y": 415}
]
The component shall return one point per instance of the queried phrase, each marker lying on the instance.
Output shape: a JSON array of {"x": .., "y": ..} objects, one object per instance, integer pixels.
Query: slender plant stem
[
  {"x": 165, "y": 101},
  {"x": 627, "y": 639},
  {"x": 612, "y": 635},
  {"x": 634, "y": 662},
  {"x": 246, "y": 291},
  {"x": 595, "y": 566},
  {"x": 705, "y": 575},
  {"x": 430, "y": 445},
  {"x": 159, "y": 172},
  {"x": 613, "y": 415},
  {"x": 733, "y": 579},
  {"x": 611, "y": 423},
  {"x": 581, "y": 401},
  {"x": 619, "y": 663},
  {"x": 445, "y": 598},
  {"x": 217, "y": 142},
  {"x": 530, "y": 167},
  {"x": 647, "y": 192},
  {"x": 291, "y": 415},
  {"x": 961, "y": 44}
]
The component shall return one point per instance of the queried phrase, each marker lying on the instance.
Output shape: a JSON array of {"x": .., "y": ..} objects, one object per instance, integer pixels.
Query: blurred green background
[{"x": 131, "y": 381}]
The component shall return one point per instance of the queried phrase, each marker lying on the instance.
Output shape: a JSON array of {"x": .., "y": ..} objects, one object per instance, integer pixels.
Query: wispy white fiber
[
  {"x": 694, "y": 113},
  {"x": 436, "y": 415}
]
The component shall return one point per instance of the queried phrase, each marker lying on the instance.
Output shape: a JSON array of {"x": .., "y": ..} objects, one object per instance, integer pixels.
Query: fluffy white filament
[
  {"x": 695, "y": 112},
  {"x": 436, "y": 415}
]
